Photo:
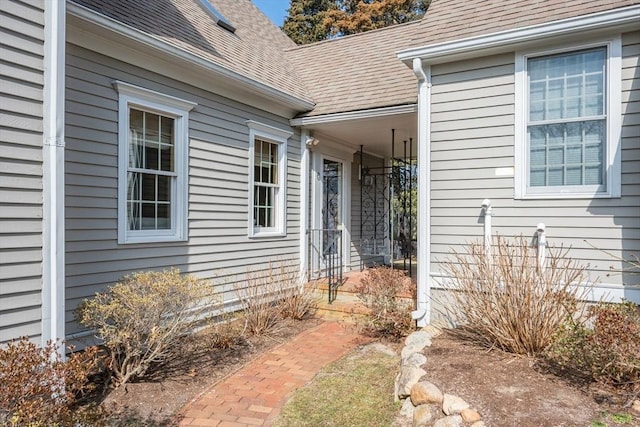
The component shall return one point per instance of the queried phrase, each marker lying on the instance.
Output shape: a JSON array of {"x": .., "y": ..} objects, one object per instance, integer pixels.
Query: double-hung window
[
  {"x": 568, "y": 123},
  {"x": 152, "y": 167},
  {"x": 267, "y": 180}
]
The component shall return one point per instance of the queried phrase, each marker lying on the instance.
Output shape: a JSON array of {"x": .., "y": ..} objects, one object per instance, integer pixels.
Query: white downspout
[
  {"x": 304, "y": 205},
  {"x": 423, "y": 309},
  {"x": 53, "y": 248},
  {"x": 541, "y": 247},
  {"x": 488, "y": 212}
]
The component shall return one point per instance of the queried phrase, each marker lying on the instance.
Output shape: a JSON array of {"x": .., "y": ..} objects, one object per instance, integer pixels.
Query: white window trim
[
  {"x": 612, "y": 162},
  {"x": 155, "y": 102},
  {"x": 280, "y": 137}
]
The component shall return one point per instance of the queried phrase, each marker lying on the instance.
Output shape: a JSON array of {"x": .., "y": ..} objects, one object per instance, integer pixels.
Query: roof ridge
[{"x": 352, "y": 36}]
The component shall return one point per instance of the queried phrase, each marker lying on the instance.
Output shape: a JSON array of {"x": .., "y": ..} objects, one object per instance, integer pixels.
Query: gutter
[
  {"x": 130, "y": 32},
  {"x": 423, "y": 310},
  {"x": 355, "y": 115},
  {"x": 596, "y": 21},
  {"x": 53, "y": 235}
]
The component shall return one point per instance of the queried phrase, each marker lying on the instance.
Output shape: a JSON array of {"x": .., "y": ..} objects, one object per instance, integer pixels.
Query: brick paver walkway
[{"x": 255, "y": 394}]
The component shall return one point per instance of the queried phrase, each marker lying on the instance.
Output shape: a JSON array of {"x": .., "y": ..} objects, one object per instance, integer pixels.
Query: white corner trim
[
  {"x": 158, "y": 44},
  {"x": 53, "y": 214},
  {"x": 595, "y": 21},
  {"x": 304, "y": 205},
  {"x": 355, "y": 115}
]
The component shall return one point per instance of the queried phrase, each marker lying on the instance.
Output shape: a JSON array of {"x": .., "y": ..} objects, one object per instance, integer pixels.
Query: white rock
[
  {"x": 478, "y": 424},
  {"x": 635, "y": 407},
  {"x": 421, "y": 416},
  {"x": 407, "y": 409},
  {"x": 453, "y": 404},
  {"x": 418, "y": 337},
  {"x": 416, "y": 359},
  {"x": 449, "y": 421},
  {"x": 409, "y": 375},
  {"x": 470, "y": 415}
]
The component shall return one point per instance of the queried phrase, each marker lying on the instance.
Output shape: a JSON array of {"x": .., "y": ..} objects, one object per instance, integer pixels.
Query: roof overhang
[
  {"x": 368, "y": 128},
  {"x": 619, "y": 19},
  {"x": 94, "y": 31}
]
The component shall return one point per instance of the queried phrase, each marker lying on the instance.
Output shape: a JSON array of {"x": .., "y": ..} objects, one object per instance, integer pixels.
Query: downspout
[
  {"x": 423, "y": 310},
  {"x": 53, "y": 248},
  {"x": 304, "y": 206}
]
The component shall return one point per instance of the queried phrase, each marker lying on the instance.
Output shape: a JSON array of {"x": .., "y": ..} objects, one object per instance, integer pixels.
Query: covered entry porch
[{"x": 361, "y": 193}]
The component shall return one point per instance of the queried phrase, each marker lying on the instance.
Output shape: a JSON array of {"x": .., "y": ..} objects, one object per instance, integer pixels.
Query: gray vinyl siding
[
  {"x": 21, "y": 140},
  {"x": 218, "y": 247},
  {"x": 472, "y": 136}
]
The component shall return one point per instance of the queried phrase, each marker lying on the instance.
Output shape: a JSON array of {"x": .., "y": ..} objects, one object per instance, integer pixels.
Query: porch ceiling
[{"x": 374, "y": 133}]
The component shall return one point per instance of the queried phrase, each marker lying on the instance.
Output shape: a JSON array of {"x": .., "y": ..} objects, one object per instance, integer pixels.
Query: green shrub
[
  {"x": 506, "y": 301},
  {"x": 390, "y": 297},
  {"x": 606, "y": 344},
  {"x": 142, "y": 318},
  {"x": 39, "y": 388}
]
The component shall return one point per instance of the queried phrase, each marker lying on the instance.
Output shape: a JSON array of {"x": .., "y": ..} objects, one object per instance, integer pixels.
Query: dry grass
[{"x": 506, "y": 301}]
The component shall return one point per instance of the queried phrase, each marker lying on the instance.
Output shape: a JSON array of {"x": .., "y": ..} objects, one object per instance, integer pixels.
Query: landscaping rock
[
  {"x": 478, "y": 424},
  {"x": 635, "y": 407},
  {"x": 418, "y": 338},
  {"x": 407, "y": 409},
  {"x": 432, "y": 331},
  {"x": 421, "y": 416},
  {"x": 408, "y": 376},
  {"x": 425, "y": 392},
  {"x": 415, "y": 359},
  {"x": 449, "y": 421},
  {"x": 453, "y": 404},
  {"x": 470, "y": 415},
  {"x": 415, "y": 343}
]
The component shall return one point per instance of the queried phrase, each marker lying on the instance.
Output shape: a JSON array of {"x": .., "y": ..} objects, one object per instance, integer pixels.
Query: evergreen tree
[{"x": 307, "y": 20}]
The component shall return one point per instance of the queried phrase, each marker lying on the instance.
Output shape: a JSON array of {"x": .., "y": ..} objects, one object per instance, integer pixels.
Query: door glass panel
[{"x": 331, "y": 204}]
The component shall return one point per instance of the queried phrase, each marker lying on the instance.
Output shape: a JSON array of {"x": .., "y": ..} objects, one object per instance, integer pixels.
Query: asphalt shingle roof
[{"x": 255, "y": 50}]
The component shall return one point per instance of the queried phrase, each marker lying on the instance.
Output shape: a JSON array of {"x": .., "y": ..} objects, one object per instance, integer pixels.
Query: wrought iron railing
[{"x": 326, "y": 258}]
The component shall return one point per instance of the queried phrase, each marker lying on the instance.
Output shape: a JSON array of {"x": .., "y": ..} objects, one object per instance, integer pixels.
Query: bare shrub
[
  {"x": 390, "y": 297},
  {"x": 506, "y": 301},
  {"x": 39, "y": 388},
  {"x": 142, "y": 317},
  {"x": 606, "y": 344},
  {"x": 225, "y": 331},
  {"x": 270, "y": 295}
]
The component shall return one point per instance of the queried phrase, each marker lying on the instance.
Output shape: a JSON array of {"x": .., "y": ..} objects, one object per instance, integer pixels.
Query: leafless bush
[
  {"x": 508, "y": 302},
  {"x": 270, "y": 295},
  {"x": 390, "y": 297},
  {"x": 39, "y": 388},
  {"x": 141, "y": 318}
]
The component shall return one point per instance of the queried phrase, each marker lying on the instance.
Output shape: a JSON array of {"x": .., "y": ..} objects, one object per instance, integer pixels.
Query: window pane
[
  {"x": 152, "y": 127},
  {"x": 151, "y": 154},
  {"x": 164, "y": 188},
  {"x": 560, "y": 153},
  {"x": 167, "y": 125},
  {"x": 164, "y": 216},
  {"x": 148, "y": 186},
  {"x": 134, "y": 212},
  {"x": 148, "y": 216},
  {"x": 136, "y": 135}
]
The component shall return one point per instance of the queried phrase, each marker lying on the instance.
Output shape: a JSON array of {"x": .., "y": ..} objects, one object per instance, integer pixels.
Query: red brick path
[{"x": 254, "y": 395}]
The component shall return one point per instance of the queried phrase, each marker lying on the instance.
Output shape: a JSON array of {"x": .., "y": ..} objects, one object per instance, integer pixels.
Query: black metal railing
[{"x": 325, "y": 258}]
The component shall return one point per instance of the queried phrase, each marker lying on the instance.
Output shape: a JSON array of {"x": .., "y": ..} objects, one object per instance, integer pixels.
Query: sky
[{"x": 276, "y": 10}]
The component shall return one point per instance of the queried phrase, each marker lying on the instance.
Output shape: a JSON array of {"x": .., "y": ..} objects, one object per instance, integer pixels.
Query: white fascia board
[
  {"x": 355, "y": 115},
  {"x": 128, "y": 31},
  {"x": 596, "y": 21}
]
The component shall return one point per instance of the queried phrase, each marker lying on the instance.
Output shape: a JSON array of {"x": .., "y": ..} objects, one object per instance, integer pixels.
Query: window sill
[
  {"x": 132, "y": 240},
  {"x": 267, "y": 235}
]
